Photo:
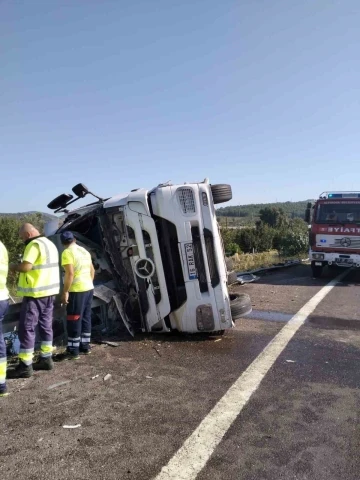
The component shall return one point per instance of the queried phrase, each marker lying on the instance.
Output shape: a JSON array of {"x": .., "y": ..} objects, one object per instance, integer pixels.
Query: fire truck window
[{"x": 328, "y": 213}]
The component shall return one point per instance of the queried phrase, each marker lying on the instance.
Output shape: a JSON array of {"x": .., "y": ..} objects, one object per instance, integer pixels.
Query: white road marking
[{"x": 192, "y": 457}]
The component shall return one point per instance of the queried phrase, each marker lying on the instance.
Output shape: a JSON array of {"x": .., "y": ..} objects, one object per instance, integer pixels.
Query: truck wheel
[
  {"x": 221, "y": 192},
  {"x": 316, "y": 271},
  {"x": 232, "y": 278},
  {"x": 240, "y": 305}
]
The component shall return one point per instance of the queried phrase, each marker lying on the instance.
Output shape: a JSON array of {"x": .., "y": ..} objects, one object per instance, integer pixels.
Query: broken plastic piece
[
  {"x": 72, "y": 426},
  {"x": 107, "y": 377},
  {"x": 58, "y": 384}
]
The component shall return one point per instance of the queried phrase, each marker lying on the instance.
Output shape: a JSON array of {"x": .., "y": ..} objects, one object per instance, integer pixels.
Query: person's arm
[
  {"x": 22, "y": 267},
  {"x": 31, "y": 254},
  {"x": 68, "y": 279},
  {"x": 92, "y": 271}
]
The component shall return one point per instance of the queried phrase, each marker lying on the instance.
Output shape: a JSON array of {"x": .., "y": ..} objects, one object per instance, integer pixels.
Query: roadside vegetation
[{"x": 274, "y": 238}]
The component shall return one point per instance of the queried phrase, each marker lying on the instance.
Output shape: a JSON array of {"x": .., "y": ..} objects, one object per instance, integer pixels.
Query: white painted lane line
[{"x": 191, "y": 458}]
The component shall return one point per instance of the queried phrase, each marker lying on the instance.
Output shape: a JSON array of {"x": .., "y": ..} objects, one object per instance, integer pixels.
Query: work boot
[
  {"x": 84, "y": 351},
  {"x": 71, "y": 355},
  {"x": 45, "y": 363},
  {"x": 3, "y": 390},
  {"x": 20, "y": 371}
]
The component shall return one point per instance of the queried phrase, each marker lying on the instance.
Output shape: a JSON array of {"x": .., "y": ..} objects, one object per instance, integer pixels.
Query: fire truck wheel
[
  {"x": 221, "y": 192},
  {"x": 316, "y": 271},
  {"x": 240, "y": 305},
  {"x": 232, "y": 278}
]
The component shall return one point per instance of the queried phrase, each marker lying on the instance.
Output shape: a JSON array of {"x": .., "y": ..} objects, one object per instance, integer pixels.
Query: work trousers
[
  {"x": 36, "y": 311},
  {"x": 79, "y": 321},
  {"x": 4, "y": 305}
]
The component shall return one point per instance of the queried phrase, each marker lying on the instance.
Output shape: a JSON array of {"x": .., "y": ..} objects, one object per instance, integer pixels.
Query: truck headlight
[{"x": 318, "y": 256}]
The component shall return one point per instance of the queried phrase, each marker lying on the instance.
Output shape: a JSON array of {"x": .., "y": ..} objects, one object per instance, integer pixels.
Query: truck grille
[
  {"x": 199, "y": 259},
  {"x": 346, "y": 243},
  {"x": 186, "y": 199},
  {"x": 340, "y": 241},
  {"x": 210, "y": 252}
]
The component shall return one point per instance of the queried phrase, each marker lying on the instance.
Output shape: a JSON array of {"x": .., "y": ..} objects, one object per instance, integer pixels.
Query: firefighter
[
  {"x": 77, "y": 295},
  {"x": 4, "y": 305},
  {"x": 39, "y": 282}
]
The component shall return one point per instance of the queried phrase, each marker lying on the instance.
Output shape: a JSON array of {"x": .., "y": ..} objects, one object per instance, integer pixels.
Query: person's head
[
  {"x": 67, "y": 239},
  {"x": 28, "y": 231}
]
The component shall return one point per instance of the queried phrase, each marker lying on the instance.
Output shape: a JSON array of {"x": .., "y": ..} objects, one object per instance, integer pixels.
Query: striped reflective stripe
[
  {"x": 47, "y": 251},
  {"x": 72, "y": 317},
  {"x": 73, "y": 342},
  {"x": 39, "y": 289},
  {"x": 41, "y": 267},
  {"x": 26, "y": 355},
  {"x": 85, "y": 340},
  {"x": 46, "y": 349},
  {"x": 3, "y": 365}
]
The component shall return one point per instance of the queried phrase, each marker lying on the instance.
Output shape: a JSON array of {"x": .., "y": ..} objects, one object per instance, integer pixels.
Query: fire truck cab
[{"x": 334, "y": 231}]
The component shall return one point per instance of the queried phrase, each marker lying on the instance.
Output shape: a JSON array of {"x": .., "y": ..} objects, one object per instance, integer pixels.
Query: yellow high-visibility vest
[
  {"x": 43, "y": 279},
  {"x": 80, "y": 258},
  {"x": 4, "y": 267}
]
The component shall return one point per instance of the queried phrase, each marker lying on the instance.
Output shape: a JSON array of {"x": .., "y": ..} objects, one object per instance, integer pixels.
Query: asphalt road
[{"x": 300, "y": 422}]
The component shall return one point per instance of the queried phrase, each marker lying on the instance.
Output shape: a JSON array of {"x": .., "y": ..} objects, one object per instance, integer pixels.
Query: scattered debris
[
  {"x": 107, "y": 377},
  {"x": 157, "y": 351},
  {"x": 111, "y": 344},
  {"x": 58, "y": 384},
  {"x": 148, "y": 376},
  {"x": 72, "y": 426},
  {"x": 290, "y": 361},
  {"x": 247, "y": 278},
  {"x": 95, "y": 376},
  {"x": 217, "y": 340}
]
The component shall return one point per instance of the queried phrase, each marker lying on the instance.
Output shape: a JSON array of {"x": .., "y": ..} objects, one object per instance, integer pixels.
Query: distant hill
[
  {"x": 45, "y": 216},
  {"x": 249, "y": 214}
]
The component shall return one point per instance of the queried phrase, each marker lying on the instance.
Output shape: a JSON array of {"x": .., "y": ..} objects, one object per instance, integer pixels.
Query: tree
[{"x": 274, "y": 217}]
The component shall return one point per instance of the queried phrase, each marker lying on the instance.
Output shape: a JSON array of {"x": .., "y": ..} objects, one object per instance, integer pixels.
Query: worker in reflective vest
[
  {"x": 39, "y": 282},
  {"x": 77, "y": 295},
  {"x": 4, "y": 305}
]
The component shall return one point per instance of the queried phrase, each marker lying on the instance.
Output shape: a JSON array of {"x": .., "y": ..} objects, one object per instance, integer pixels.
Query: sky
[{"x": 261, "y": 94}]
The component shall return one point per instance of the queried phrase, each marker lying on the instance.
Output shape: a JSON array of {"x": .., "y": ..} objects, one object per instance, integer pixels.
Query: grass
[{"x": 250, "y": 261}]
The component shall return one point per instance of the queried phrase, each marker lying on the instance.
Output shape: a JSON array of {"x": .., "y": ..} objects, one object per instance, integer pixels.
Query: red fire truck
[{"x": 334, "y": 222}]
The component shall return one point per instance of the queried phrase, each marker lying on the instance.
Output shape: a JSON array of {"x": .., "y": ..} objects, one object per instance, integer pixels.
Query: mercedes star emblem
[
  {"x": 345, "y": 242},
  {"x": 144, "y": 268}
]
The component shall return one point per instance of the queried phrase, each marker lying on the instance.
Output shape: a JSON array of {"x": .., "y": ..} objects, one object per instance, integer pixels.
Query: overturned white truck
[{"x": 158, "y": 256}]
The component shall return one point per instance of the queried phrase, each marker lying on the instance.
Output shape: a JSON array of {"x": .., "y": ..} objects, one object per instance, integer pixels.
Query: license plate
[
  {"x": 344, "y": 260},
  {"x": 189, "y": 250}
]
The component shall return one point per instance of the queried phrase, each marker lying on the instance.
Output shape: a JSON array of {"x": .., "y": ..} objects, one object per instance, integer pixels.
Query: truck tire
[
  {"x": 240, "y": 305},
  {"x": 221, "y": 193},
  {"x": 232, "y": 278},
  {"x": 316, "y": 270}
]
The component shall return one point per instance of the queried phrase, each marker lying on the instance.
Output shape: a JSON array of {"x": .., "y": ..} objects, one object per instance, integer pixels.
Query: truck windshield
[{"x": 338, "y": 213}]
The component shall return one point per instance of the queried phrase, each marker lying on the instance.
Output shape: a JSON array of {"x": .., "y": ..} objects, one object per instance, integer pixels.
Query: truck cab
[
  {"x": 334, "y": 231},
  {"x": 160, "y": 251}
]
